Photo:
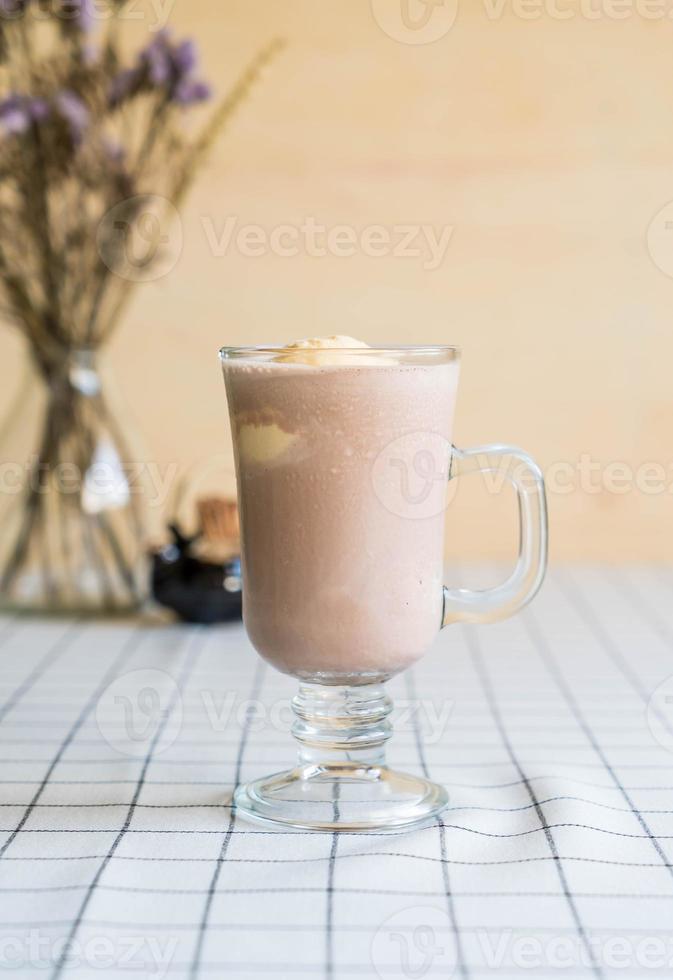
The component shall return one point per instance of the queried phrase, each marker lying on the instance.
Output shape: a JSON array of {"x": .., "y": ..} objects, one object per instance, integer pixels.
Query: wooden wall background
[{"x": 545, "y": 143}]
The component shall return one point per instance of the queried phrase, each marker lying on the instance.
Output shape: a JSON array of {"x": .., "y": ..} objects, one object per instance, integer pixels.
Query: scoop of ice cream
[
  {"x": 329, "y": 351},
  {"x": 262, "y": 443}
]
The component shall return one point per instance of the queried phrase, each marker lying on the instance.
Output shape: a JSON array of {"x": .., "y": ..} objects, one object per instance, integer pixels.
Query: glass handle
[{"x": 489, "y": 605}]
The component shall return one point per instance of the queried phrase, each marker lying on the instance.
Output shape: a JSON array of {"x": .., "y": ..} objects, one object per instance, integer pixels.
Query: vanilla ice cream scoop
[
  {"x": 263, "y": 443},
  {"x": 317, "y": 351},
  {"x": 323, "y": 343}
]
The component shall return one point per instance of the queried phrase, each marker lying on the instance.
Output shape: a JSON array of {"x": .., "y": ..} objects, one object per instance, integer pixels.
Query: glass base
[
  {"x": 347, "y": 797},
  {"x": 341, "y": 781}
]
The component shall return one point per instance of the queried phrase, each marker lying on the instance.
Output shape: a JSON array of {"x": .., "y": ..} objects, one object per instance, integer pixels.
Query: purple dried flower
[
  {"x": 123, "y": 85},
  {"x": 38, "y": 109},
  {"x": 188, "y": 92},
  {"x": 126, "y": 83},
  {"x": 162, "y": 64},
  {"x": 74, "y": 112},
  {"x": 17, "y": 112},
  {"x": 14, "y": 116},
  {"x": 157, "y": 59},
  {"x": 185, "y": 57}
]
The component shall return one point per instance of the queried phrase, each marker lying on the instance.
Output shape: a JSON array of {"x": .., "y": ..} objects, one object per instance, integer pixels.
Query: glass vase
[{"x": 70, "y": 495}]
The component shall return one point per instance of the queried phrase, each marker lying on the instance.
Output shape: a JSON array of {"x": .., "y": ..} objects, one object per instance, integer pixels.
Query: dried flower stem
[{"x": 81, "y": 135}]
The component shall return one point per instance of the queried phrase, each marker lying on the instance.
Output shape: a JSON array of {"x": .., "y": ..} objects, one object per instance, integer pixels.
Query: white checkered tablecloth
[{"x": 121, "y": 856}]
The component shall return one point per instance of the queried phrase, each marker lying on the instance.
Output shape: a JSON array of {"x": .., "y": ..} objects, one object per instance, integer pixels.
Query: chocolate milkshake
[{"x": 342, "y": 460}]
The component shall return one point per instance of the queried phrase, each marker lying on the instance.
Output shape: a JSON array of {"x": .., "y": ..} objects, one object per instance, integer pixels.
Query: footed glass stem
[{"x": 341, "y": 781}]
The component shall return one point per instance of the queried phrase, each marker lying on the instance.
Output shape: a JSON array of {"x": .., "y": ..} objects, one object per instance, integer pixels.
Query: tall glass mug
[{"x": 342, "y": 459}]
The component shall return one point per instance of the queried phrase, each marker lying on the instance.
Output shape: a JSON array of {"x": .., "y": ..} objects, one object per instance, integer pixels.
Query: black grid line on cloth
[
  {"x": 195, "y": 644},
  {"x": 637, "y": 766},
  {"x": 128, "y": 649},
  {"x": 370, "y": 833},
  {"x": 480, "y": 668},
  {"x": 319, "y": 890},
  {"x": 358, "y": 854},
  {"x": 236, "y": 969},
  {"x": 329, "y": 912},
  {"x": 269, "y": 761},
  {"x": 461, "y": 965},
  {"x": 546, "y": 654},
  {"x": 351, "y": 929},
  {"x": 54, "y": 651},
  {"x": 351, "y": 833},
  {"x": 195, "y": 966},
  {"x": 467, "y": 729},
  {"x": 534, "y": 715},
  {"x": 318, "y": 927},
  {"x": 218, "y": 782}
]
